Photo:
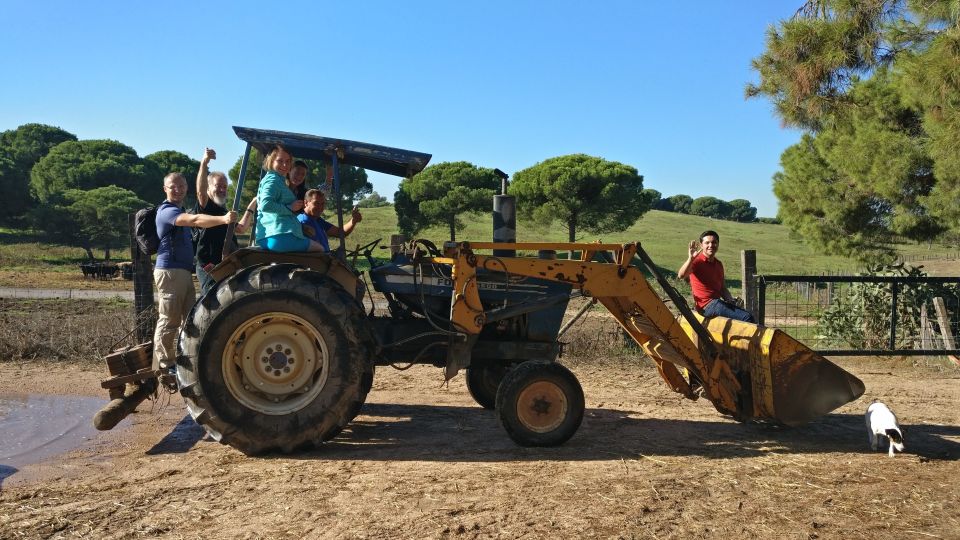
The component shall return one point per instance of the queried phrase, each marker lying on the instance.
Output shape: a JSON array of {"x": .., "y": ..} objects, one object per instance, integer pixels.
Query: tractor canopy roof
[{"x": 383, "y": 159}]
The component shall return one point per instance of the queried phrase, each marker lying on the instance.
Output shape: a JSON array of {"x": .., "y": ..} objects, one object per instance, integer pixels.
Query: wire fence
[{"x": 864, "y": 315}]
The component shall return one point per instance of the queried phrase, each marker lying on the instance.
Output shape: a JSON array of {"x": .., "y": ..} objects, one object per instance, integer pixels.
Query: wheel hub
[
  {"x": 275, "y": 363},
  {"x": 542, "y": 406}
]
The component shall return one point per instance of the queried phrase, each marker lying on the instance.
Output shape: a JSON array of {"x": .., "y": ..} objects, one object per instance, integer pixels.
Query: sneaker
[{"x": 168, "y": 378}]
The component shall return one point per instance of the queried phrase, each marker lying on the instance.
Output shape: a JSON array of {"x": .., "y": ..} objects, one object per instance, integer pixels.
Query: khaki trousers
[{"x": 176, "y": 296}]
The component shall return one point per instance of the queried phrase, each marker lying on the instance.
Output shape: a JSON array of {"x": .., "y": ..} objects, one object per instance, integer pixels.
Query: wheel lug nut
[
  {"x": 267, "y": 369},
  {"x": 276, "y": 373},
  {"x": 269, "y": 350},
  {"x": 290, "y": 361},
  {"x": 287, "y": 352},
  {"x": 264, "y": 359},
  {"x": 286, "y": 370}
]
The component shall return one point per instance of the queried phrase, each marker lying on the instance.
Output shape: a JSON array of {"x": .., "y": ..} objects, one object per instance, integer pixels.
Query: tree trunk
[
  {"x": 106, "y": 252},
  {"x": 453, "y": 230},
  {"x": 572, "y": 229},
  {"x": 89, "y": 249}
]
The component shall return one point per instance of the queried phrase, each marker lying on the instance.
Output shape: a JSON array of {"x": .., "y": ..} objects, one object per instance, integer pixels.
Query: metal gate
[{"x": 864, "y": 315}]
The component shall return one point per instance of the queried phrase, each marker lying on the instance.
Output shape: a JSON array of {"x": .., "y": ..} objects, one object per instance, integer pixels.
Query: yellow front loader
[{"x": 747, "y": 371}]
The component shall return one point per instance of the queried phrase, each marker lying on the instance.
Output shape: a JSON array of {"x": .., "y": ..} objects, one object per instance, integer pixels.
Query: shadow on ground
[
  {"x": 6, "y": 471},
  {"x": 468, "y": 434},
  {"x": 184, "y": 436}
]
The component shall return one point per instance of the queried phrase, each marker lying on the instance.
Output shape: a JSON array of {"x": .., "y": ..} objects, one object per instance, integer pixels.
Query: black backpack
[{"x": 145, "y": 229}]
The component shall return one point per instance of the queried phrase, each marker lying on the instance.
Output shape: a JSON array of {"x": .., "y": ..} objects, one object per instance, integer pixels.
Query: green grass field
[{"x": 664, "y": 235}]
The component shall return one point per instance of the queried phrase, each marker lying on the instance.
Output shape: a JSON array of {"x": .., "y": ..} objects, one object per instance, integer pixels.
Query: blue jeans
[
  {"x": 719, "y": 308},
  {"x": 206, "y": 281}
]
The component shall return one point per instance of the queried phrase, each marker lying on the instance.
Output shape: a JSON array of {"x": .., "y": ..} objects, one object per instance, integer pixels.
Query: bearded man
[{"x": 211, "y": 200}]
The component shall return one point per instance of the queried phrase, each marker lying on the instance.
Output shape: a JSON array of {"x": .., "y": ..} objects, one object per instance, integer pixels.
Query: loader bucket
[{"x": 781, "y": 379}]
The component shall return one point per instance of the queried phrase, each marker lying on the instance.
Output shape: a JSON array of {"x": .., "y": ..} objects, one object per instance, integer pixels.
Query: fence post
[
  {"x": 761, "y": 301},
  {"x": 926, "y": 341},
  {"x": 395, "y": 242},
  {"x": 143, "y": 313},
  {"x": 748, "y": 265},
  {"x": 894, "y": 293},
  {"x": 944, "y": 319}
]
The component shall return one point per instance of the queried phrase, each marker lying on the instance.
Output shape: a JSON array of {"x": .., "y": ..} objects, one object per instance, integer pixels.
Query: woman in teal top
[{"x": 277, "y": 207}]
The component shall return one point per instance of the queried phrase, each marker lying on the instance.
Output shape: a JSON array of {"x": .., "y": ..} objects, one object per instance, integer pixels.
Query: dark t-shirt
[{"x": 210, "y": 241}]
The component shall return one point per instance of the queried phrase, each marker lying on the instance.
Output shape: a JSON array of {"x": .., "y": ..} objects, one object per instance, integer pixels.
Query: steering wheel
[{"x": 366, "y": 249}]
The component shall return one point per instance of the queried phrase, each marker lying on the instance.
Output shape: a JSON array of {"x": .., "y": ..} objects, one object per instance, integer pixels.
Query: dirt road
[{"x": 422, "y": 461}]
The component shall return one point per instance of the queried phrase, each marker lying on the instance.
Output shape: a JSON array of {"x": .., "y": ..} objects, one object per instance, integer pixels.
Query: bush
[{"x": 860, "y": 316}]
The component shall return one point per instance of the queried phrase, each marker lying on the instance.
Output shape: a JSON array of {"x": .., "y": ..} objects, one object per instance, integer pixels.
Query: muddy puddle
[{"x": 35, "y": 427}]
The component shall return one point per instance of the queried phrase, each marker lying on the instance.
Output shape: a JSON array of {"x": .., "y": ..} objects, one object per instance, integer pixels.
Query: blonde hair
[{"x": 272, "y": 157}]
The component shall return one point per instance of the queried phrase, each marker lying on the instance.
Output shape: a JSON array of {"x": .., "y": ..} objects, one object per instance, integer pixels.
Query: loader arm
[{"x": 745, "y": 370}]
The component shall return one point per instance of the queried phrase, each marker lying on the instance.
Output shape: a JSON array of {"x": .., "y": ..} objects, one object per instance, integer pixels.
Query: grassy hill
[{"x": 663, "y": 234}]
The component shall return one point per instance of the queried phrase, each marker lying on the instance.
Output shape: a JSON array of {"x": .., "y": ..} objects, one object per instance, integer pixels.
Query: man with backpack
[
  {"x": 211, "y": 200},
  {"x": 172, "y": 273}
]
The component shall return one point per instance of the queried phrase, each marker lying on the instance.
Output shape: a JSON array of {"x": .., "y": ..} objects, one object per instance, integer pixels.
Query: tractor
[{"x": 281, "y": 354}]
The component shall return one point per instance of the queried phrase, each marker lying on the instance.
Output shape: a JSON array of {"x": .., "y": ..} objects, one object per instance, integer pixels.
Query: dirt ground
[{"x": 423, "y": 461}]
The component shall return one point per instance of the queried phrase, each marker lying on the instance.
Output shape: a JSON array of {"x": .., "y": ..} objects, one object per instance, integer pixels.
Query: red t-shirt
[{"x": 706, "y": 279}]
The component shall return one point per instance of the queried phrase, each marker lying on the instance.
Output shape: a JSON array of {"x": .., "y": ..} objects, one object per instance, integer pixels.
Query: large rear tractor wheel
[
  {"x": 540, "y": 404},
  {"x": 483, "y": 382},
  {"x": 276, "y": 358}
]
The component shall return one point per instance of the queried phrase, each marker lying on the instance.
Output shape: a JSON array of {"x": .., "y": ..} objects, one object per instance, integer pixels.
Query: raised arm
[
  {"x": 355, "y": 217},
  {"x": 692, "y": 250},
  {"x": 202, "y": 197}
]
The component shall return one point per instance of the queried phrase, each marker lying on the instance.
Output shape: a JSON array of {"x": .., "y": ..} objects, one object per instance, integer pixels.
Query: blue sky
[{"x": 657, "y": 85}]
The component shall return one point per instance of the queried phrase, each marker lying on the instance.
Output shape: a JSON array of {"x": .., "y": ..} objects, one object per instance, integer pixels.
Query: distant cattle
[{"x": 100, "y": 270}]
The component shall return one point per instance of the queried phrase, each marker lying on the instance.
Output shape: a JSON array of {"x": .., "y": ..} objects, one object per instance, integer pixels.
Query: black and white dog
[{"x": 881, "y": 422}]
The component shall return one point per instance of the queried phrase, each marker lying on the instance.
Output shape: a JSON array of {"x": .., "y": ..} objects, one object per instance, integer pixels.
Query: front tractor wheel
[
  {"x": 540, "y": 404},
  {"x": 276, "y": 358},
  {"x": 484, "y": 381}
]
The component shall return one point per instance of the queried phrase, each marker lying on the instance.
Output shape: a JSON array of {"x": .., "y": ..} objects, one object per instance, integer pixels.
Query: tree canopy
[
  {"x": 165, "y": 162},
  {"x": 20, "y": 149},
  {"x": 711, "y": 207},
  {"x": 168, "y": 161},
  {"x": 90, "y": 164},
  {"x": 680, "y": 203},
  {"x": 373, "y": 200},
  {"x": 90, "y": 218},
  {"x": 441, "y": 193},
  {"x": 582, "y": 192},
  {"x": 742, "y": 211},
  {"x": 873, "y": 84}
]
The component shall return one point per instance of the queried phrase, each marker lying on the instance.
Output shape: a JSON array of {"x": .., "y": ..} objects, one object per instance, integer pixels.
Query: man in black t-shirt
[{"x": 211, "y": 200}]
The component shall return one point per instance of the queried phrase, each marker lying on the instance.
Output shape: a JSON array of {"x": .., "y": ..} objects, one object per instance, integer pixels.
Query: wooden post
[
  {"x": 926, "y": 335},
  {"x": 144, "y": 315},
  {"x": 944, "y": 320},
  {"x": 396, "y": 240},
  {"x": 748, "y": 266},
  {"x": 829, "y": 294}
]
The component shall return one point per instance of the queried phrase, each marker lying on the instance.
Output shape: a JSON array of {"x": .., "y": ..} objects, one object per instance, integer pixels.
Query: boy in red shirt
[{"x": 705, "y": 273}]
